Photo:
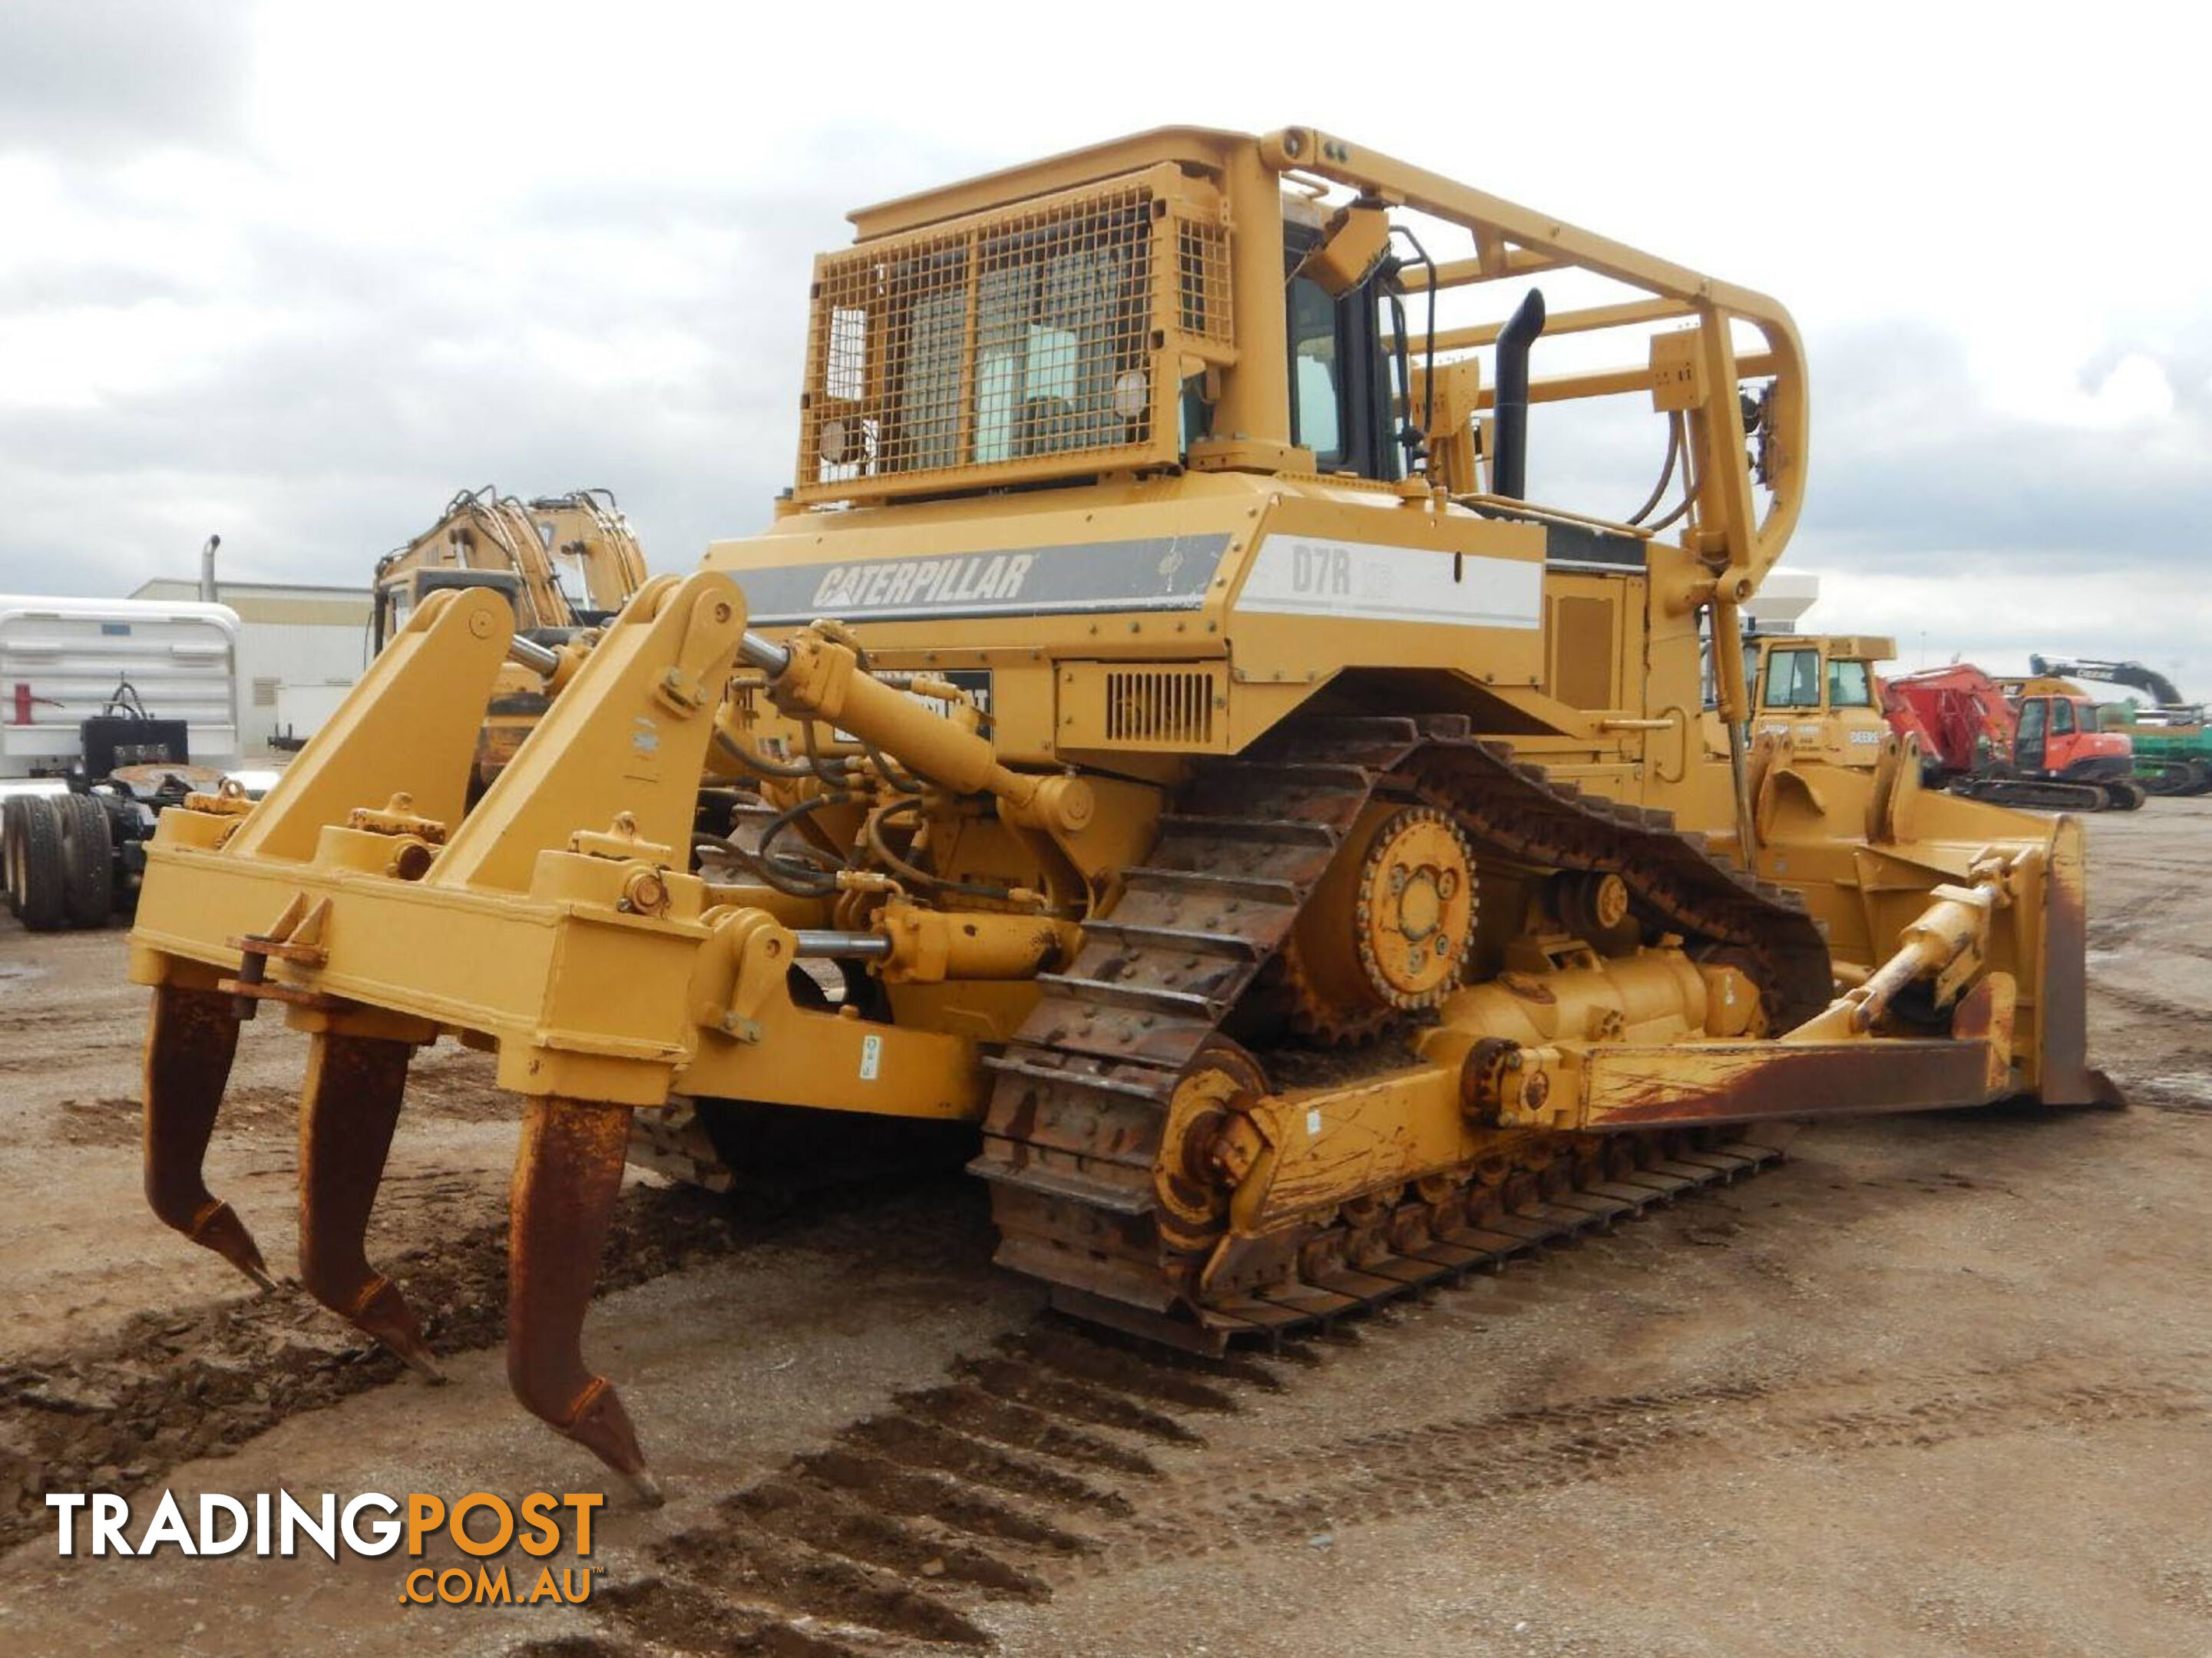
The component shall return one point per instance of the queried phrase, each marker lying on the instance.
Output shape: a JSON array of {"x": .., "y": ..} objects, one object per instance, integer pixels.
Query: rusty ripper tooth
[
  {"x": 347, "y": 1113},
  {"x": 190, "y": 1040},
  {"x": 567, "y": 1176}
]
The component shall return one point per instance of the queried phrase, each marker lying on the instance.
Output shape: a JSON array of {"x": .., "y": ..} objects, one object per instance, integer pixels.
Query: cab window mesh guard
[{"x": 1032, "y": 342}]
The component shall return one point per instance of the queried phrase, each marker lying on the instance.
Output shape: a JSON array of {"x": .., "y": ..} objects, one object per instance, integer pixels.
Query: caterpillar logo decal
[
  {"x": 983, "y": 579},
  {"x": 1158, "y": 573}
]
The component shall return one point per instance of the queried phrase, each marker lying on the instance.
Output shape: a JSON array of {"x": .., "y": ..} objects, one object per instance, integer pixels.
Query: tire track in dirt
[
  {"x": 1065, "y": 1453},
  {"x": 1018, "y": 1461},
  {"x": 1381, "y": 1475},
  {"x": 2113, "y": 926},
  {"x": 1051, "y": 1459},
  {"x": 984, "y": 1488},
  {"x": 2183, "y": 1082},
  {"x": 119, "y": 1414}
]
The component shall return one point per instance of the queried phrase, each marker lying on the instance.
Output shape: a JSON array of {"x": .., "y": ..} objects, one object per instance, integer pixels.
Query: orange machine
[{"x": 2041, "y": 747}]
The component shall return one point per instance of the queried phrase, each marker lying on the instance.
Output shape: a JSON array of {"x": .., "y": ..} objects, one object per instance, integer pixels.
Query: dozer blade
[
  {"x": 566, "y": 1178},
  {"x": 190, "y": 1040},
  {"x": 347, "y": 1113}
]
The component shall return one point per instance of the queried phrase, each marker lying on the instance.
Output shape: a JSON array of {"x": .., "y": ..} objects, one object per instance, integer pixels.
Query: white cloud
[
  {"x": 1982, "y": 609},
  {"x": 296, "y": 273},
  {"x": 88, "y": 356}
]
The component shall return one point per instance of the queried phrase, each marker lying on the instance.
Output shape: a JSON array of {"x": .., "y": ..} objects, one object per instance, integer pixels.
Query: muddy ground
[{"x": 1937, "y": 1385}]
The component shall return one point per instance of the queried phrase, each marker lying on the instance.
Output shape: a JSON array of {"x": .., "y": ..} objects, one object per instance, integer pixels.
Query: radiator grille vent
[{"x": 1168, "y": 706}]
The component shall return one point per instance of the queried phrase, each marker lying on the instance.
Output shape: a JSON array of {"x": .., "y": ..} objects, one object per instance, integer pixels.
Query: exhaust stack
[
  {"x": 207, "y": 569},
  {"x": 1509, "y": 465}
]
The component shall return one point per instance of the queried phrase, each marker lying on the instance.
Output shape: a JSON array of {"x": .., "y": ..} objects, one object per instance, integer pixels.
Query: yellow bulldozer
[
  {"x": 1157, "y": 732},
  {"x": 1817, "y": 694},
  {"x": 519, "y": 550}
]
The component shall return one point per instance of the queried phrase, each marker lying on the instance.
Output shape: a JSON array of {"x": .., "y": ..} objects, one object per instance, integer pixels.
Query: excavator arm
[
  {"x": 2134, "y": 675},
  {"x": 482, "y": 530}
]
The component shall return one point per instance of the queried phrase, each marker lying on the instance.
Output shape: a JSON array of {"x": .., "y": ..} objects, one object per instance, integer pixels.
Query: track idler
[{"x": 190, "y": 1040}]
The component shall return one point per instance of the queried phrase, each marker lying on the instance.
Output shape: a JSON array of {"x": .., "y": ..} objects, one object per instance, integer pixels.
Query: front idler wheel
[{"x": 1209, "y": 1143}]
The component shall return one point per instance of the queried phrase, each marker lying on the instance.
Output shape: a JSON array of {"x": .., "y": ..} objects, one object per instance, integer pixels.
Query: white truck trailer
[{"x": 110, "y": 708}]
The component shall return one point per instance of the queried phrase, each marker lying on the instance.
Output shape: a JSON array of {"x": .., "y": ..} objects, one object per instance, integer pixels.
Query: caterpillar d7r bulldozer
[{"x": 1157, "y": 732}]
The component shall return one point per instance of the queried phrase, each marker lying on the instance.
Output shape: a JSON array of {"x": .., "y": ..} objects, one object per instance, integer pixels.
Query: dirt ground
[{"x": 1936, "y": 1385}]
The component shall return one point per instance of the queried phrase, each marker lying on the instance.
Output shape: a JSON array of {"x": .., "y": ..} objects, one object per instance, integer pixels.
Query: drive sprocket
[{"x": 1387, "y": 930}]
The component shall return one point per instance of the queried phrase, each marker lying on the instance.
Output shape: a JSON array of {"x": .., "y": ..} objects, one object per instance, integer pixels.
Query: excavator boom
[
  {"x": 2134, "y": 675},
  {"x": 521, "y": 547}
]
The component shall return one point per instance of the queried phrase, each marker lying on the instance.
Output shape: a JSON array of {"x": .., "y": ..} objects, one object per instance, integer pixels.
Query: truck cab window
[
  {"x": 1850, "y": 685},
  {"x": 1793, "y": 679}
]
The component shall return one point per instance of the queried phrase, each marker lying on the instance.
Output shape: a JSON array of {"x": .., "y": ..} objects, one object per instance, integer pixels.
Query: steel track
[{"x": 1073, "y": 1136}]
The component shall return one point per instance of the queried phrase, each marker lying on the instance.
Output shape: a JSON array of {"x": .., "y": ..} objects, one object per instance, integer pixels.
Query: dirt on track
[{"x": 1937, "y": 1385}]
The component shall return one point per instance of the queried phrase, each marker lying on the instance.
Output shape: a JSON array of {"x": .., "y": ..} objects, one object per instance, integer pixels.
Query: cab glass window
[
  {"x": 1316, "y": 400},
  {"x": 1046, "y": 331},
  {"x": 2031, "y": 717},
  {"x": 391, "y": 607},
  {"x": 1850, "y": 685},
  {"x": 1793, "y": 679},
  {"x": 2061, "y": 715}
]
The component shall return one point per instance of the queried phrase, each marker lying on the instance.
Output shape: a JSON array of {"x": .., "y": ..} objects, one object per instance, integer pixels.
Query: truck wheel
[
  {"x": 40, "y": 870},
  {"x": 11, "y": 854},
  {"x": 88, "y": 853}
]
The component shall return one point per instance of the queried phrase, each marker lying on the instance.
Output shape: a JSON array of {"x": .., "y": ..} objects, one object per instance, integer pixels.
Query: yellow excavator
[
  {"x": 1157, "y": 733},
  {"x": 523, "y": 550}
]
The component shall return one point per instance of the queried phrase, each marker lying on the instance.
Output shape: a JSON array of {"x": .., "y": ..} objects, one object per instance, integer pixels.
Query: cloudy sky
[{"x": 296, "y": 273}]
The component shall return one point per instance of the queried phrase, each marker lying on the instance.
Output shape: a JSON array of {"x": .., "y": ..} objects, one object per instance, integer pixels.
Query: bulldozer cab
[
  {"x": 1340, "y": 373},
  {"x": 1832, "y": 674},
  {"x": 1819, "y": 693}
]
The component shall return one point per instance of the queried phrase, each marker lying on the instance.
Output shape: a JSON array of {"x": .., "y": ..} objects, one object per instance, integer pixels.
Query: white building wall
[{"x": 301, "y": 636}]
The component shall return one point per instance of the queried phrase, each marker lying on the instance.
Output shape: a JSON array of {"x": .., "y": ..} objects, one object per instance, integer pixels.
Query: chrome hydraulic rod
[
  {"x": 538, "y": 659},
  {"x": 763, "y": 654},
  {"x": 844, "y": 946}
]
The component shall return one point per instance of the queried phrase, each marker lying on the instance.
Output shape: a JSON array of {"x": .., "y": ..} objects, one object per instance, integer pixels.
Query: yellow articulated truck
[{"x": 1157, "y": 731}]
